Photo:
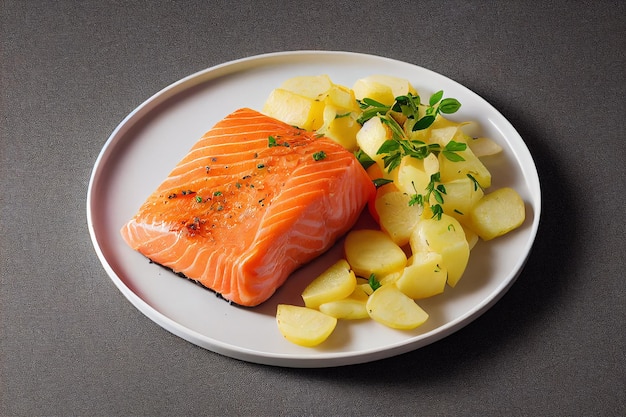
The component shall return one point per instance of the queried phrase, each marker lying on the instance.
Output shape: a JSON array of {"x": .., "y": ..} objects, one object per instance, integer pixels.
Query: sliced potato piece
[
  {"x": 391, "y": 307},
  {"x": 348, "y": 308},
  {"x": 304, "y": 326},
  {"x": 341, "y": 126},
  {"x": 498, "y": 213},
  {"x": 471, "y": 237},
  {"x": 484, "y": 147},
  {"x": 366, "y": 288},
  {"x": 372, "y": 135},
  {"x": 461, "y": 196},
  {"x": 454, "y": 170},
  {"x": 382, "y": 88},
  {"x": 341, "y": 97},
  {"x": 446, "y": 237},
  {"x": 391, "y": 278},
  {"x": 376, "y": 91},
  {"x": 411, "y": 176},
  {"x": 335, "y": 283},
  {"x": 431, "y": 164},
  {"x": 295, "y": 109},
  {"x": 312, "y": 86},
  {"x": 373, "y": 252},
  {"x": 424, "y": 277},
  {"x": 443, "y": 135},
  {"x": 359, "y": 293},
  {"x": 396, "y": 217}
]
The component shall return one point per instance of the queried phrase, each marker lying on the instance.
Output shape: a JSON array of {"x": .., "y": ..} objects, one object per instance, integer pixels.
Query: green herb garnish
[
  {"x": 272, "y": 142},
  {"x": 434, "y": 188},
  {"x": 318, "y": 156},
  {"x": 364, "y": 159},
  {"x": 379, "y": 182},
  {"x": 374, "y": 283}
]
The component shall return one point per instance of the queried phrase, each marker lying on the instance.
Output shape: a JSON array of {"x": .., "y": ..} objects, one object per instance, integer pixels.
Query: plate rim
[{"x": 315, "y": 359}]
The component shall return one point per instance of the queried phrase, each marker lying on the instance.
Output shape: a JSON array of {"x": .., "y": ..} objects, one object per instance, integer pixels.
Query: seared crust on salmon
[{"x": 253, "y": 200}]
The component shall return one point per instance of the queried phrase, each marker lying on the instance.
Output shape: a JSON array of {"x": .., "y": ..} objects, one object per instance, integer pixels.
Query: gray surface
[{"x": 71, "y": 344}]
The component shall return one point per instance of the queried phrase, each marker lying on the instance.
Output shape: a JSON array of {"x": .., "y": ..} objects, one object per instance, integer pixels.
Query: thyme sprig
[
  {"x": 416, "y": 116},
  {"x": 410, "y": 106},
  {"x": 434, "y": 188}
]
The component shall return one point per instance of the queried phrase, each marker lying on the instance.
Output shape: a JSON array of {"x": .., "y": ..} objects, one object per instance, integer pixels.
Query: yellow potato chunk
[
  {"x": 341, "y": 126},
  {"x": 335, "y": 283},
  {"x": 374, "y": 90},
  {"x": 372, "y": 135},
  {"x": 382, "y": 88},
  {"x": 454, "y": 170},
  {"x": 359, "y": 293},
  {"x": 304, "y": 326},
  {"x": 411, "y": 176},
  {"x": 484, "y": 147},
  {"x": 366, "y": 288},
  {"x": 311, "y": 86},
  {"x": 396, "y": 217},
  {"x": 498, "y": 213},
  {"x": 373, "y": 252},
  {"x": 446, "y": 237},
  {"x": 294, "y": 109},
  {"x": 443, "y": 135},
  {"x": 424, "y": 277},
  {"x": 341, "y": 97},
  {"x": 390, "y": 278},
  {"x": 461, "y": 196},
  {"x": 471, "y": 237},
  {"x": 348, "y": 308},
  {"x": 391, "y": 307}
]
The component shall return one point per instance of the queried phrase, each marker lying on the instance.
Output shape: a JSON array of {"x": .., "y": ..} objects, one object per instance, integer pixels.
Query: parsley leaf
[
  {"x": 318, "y": 156},
  {"x": 379, "y": 182},
  {"x": 374, "y": 283},
  {"x": 364, "y": 159}
]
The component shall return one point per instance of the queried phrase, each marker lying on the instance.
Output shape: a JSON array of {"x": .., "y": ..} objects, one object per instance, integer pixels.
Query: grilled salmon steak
[{"x": 253, "y": 200}]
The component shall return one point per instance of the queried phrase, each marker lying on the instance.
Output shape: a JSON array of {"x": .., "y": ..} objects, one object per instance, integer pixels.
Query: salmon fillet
[{"x": 253, "y": 200}]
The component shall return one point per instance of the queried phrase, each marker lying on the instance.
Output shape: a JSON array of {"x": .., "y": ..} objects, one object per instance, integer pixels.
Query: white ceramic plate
[{"x": 154, "y": 137}]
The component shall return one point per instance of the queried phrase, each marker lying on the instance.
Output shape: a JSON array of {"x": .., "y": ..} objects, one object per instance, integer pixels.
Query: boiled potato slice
[
  {"x": 372, "y": 135},
  {"x": 424, "y": 277},
  {"x": 341, "y": 97},
  {"x": 454, "y": 170},
  {"x": 498, "y": 213},
  {"x": 471, "y": 237},
  {"x": 484, "y": 147},
  {"x": 335, "y": 283},
  {"x": 396, "y": 217},
  {"x": 382, "y": 88},
  {"x": 443, "y": 135},
  {"x": 295, "y": 109},
  {"x": 366, "y": 288},
  {"x": 304, "y": 326},
  {"x": 359, "y": 293},
  {"x": 431, "y": 164},
  {"x": 461, "y": 196},
  {"x": 373, "y": 252},
  {"x": 390, "y": 278},
  {"x": 411, "y": 176},
  {"x": 446, "y": 237},
  {"x": 391, "y": 307},
  {"x": 348, "y": 308},
  {"x": 341, "y": 126},
  {"x": 312, "y": 86},
  {"x": 374, "y": 90}
]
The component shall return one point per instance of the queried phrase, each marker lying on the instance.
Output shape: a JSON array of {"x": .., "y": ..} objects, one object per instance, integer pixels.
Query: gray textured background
[{"x": 71, "y": 344}]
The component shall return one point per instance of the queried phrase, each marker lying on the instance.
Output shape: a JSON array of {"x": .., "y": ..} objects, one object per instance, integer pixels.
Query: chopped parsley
[{"x": 318, "y": 156}]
